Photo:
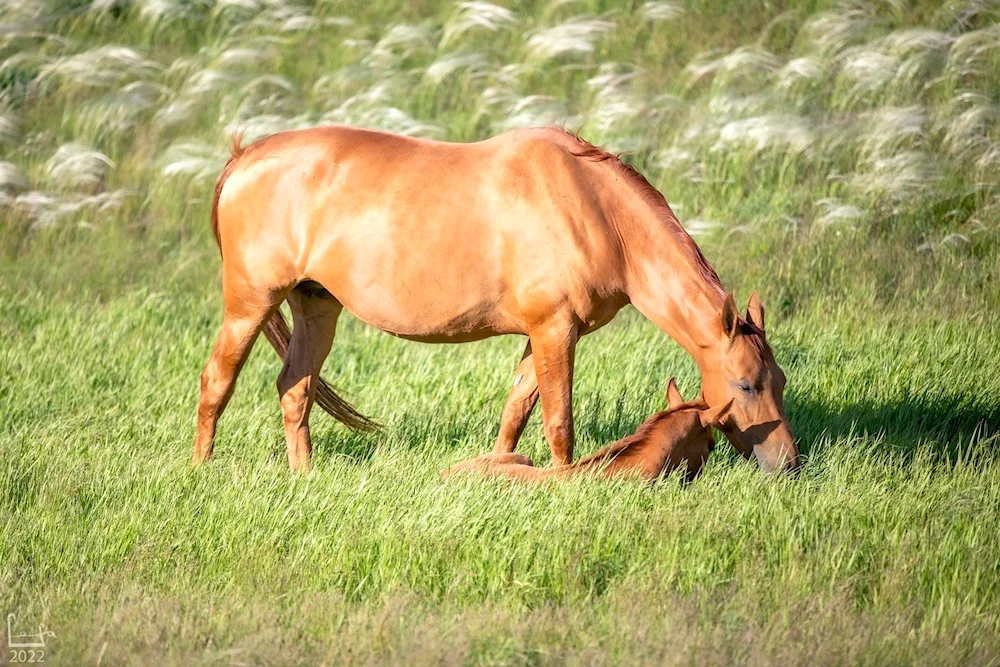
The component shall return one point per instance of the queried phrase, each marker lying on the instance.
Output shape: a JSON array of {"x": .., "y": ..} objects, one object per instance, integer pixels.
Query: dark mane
[
  {"x": 754, "y": 336},
  {"x": 651, "y": 196}
]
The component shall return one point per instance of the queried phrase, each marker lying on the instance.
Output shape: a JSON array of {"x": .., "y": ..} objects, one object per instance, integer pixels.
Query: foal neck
[{"x": 661, "y": 437}]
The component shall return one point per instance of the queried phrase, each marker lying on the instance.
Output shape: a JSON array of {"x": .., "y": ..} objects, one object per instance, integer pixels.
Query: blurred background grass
[{"x": 841, "y": 150}]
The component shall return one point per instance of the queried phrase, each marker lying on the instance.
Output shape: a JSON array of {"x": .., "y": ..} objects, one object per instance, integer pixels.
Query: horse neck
[
  {"x": 668, "y": 280},
  {"x": 669, "y": 432}
]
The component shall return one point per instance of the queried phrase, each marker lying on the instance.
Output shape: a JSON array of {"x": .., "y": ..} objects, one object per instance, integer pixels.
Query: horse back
[{"x": 426, "y": 238}]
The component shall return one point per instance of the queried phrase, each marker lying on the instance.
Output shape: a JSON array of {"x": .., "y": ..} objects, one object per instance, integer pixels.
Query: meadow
[{"x": 843, "y": 158}]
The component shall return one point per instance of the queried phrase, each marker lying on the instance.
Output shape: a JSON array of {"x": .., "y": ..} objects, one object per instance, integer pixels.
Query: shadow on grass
[
  {"x": 411, "y": 431},
  {"x": 341, "y": 443},
  {"x": 947, "y": 424}
]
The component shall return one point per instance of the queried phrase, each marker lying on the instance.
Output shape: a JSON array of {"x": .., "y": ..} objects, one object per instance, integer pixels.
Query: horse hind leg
[
  {"x": 520, "y": 402},
  {"x": 487, "y": 462},
  {"x": 245, "y": 314},
  {"x": 314, "y": 318}
]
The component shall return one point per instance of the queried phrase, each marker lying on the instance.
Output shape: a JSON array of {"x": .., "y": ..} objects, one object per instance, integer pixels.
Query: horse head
[{"x": 742, "y": 371}]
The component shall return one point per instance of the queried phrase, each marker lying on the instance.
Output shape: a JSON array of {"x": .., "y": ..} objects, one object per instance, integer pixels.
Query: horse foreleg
[
  {"x": 553, "y": 350},
  {"x": 244, "y": 318},
  {"x": 314, "y": 322},
  {"x": 520, "y": 402}
]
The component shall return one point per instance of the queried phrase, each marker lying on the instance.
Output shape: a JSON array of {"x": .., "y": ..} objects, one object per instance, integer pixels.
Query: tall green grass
[
  {"x": 842, "y": 158},
  {"x": 889, "y": 534}
]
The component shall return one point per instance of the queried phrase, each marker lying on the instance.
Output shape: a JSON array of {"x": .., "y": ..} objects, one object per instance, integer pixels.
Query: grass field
[{"x": 842, "y": 158}]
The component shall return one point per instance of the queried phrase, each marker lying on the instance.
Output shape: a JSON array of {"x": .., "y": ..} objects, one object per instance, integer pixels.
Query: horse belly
[
  {"x": 431, "y": 317},
  {"x": 416, "y": 285}
]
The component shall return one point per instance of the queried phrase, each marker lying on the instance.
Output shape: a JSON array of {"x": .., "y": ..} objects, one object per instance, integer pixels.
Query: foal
[{"x": 681, "y": 435}]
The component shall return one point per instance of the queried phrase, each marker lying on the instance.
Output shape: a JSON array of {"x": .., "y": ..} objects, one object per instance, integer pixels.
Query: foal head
[
  {"x": 742, "y": 370},
  {"x": 688, "y": 428},
  {"x": 705, "y": 416}
]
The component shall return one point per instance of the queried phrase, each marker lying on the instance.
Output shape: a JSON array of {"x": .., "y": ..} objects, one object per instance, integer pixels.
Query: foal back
[{"x": 664, "y": 442}]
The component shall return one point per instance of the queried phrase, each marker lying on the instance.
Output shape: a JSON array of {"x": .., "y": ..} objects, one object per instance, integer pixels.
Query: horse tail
[
  {"x": 278, "y": 335},
  {"x": 276, "y": 330},
  {"x": 235, "y": 152}
]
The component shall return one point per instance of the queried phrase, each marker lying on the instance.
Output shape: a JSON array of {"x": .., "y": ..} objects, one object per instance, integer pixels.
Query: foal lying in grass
[{"x": 681, "y": 435}]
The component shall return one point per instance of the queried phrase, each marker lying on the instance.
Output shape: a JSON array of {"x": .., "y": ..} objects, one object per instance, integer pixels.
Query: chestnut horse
[
  {"x": 533, "y": 232},
  {"x": 679, "y": 436}
]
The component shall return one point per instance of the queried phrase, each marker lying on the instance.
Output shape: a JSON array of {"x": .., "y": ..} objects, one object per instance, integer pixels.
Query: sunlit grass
[{"x": 893, "y": 520}]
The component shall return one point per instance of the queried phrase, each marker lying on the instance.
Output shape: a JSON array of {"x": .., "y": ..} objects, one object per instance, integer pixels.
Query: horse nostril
[
  {"x": 794, "y": 462},
  {"x": 778, "y": 460}
]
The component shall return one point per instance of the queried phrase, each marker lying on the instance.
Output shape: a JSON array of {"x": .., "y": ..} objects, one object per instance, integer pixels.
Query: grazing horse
[
  {"x": 679, "y": 436},
  {"x": 533, "y": 232}
]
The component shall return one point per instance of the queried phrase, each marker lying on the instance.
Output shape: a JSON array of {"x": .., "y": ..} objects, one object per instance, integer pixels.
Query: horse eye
[{"x": 745, "y": 387}]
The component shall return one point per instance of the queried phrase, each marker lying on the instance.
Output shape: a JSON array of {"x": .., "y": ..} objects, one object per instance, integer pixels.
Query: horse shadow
[
  {"x": 945, "y": 425},
  {"x": 412, "y": 430}
]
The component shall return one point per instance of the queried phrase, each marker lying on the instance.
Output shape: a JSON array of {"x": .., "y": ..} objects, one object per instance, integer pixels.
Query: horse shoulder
[{"x": 562, "y": 235}]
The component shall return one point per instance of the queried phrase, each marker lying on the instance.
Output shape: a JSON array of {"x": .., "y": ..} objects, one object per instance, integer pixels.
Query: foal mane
[
  {"x": 653, "y": 197},
  {"x": 643, "y": 434}
]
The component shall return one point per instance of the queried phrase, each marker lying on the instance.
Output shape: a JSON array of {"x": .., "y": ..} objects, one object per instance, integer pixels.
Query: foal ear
[
  {"x": 674, "y": 397},
  {"x": 730, "y": 317},
  {"x": 714, "y": 416},
  {"x": 755, "y": 311}
]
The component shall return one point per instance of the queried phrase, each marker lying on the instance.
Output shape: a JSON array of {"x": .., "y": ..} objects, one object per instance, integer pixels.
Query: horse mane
[{"x": 653, "y": 197}]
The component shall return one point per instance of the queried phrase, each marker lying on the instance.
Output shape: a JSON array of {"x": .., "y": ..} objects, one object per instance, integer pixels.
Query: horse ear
[
  {"x": 674, "y": 397},
  {"x": 715, "y": 416},
  {"x": 730, "y": 317},
  {"x": 755, "y": 311}
]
